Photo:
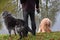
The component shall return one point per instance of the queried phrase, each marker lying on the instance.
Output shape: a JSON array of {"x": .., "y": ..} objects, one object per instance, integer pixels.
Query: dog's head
[{"x": 5, "y": 14}]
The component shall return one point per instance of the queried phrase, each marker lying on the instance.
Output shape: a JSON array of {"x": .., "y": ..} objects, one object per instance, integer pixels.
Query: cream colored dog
[{"x": 45, "y": 25}]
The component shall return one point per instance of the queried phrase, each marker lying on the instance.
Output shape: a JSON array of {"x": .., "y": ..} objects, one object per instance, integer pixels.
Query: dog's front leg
[{"x": 9, "y": 33}]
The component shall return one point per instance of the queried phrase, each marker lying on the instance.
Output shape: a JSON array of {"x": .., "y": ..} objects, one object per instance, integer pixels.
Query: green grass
[
  {"x": 39, "y": 36},
  {"x": 48, "y": 36}
]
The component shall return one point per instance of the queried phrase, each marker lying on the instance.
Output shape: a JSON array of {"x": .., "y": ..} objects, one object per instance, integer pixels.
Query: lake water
[{"x": 55, "y": 27}]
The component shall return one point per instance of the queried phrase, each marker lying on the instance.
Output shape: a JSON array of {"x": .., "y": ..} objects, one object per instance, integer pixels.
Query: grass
[
  {"x": 48, "y": 36},
  {"x": 39, "y": 36}
]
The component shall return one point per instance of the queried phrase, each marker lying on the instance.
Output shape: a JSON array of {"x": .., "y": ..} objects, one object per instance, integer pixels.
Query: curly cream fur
[{"x": 45, "y": 25}]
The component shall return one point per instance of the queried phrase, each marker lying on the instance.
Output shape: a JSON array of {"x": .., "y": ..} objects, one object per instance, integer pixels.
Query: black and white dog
[
  {"x": 11, "y": 22},
  {"x": 22, "y": 28}
]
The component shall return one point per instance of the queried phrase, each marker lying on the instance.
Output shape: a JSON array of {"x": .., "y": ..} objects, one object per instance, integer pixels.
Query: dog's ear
[{"x": 5, "y": 13}]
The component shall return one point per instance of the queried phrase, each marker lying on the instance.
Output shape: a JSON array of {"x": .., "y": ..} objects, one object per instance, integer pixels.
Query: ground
[{"x": 39, "y": 36}]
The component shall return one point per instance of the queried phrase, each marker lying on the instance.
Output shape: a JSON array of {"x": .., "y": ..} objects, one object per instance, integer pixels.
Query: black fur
[
  {"x": 10, "y": 21},
  {"x": 23, "y": 29}
]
